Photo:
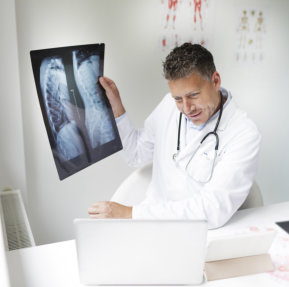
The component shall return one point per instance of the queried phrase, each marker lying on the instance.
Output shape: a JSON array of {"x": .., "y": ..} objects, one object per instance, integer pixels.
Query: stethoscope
[{"x": 214, "y": 132}]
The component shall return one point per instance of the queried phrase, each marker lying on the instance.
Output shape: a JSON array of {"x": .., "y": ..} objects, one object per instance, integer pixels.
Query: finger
[
  {"x": 96, "y": 210},
  {"x": 107, "y": 84},
  {"x": 99, "y": 216},
  {"x": 108, "y": 80},
  {"x": 99, "y": 207},
  {"x": 98, "y": 204},
  {"x": 92, "y": 210}
]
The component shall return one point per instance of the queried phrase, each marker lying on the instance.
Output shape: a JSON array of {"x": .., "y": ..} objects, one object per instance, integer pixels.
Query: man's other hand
[{"x": 109, "y": 209}]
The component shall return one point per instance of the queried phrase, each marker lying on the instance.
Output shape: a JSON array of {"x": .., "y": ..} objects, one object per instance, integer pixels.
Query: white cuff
[
  {"x": 118, "y": 119},
  {"x": 124, "y": 126}
]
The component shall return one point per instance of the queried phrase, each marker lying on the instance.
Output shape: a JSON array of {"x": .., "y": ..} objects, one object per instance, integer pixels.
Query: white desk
[{"x": 55, "y": 265}]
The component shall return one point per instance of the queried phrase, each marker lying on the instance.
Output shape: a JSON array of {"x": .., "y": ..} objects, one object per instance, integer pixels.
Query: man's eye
[
  {"x": 193, "y": 95},
  {"x": 178, "y": 99}
]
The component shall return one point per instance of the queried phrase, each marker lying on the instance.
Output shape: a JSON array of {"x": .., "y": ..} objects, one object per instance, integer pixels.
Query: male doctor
[{"x": 203, "y": 147}]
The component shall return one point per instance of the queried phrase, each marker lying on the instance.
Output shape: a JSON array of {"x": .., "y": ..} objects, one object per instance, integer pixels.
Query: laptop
[
  {"x": 239, "y": 253},
  {"x": 140, "y": 252}
]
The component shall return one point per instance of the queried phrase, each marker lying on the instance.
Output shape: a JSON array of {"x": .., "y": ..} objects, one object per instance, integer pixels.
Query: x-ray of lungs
[{"x": 77, "y": 115}]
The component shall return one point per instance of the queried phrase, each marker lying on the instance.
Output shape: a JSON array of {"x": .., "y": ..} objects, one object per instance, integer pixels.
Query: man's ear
[{"x": 216, "y": 79}]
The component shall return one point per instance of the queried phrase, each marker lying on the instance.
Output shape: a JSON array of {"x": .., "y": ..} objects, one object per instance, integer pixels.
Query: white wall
[
  {"x": 130, "y": 30},
  {"x": 131, "y": 59},
  {"x": 262, "y": 90},
  {"x": 12, "y": 167}
]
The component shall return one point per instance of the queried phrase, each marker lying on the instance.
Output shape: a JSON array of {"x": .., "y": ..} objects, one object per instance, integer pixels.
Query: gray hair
[{"x": 187, "y": 59}]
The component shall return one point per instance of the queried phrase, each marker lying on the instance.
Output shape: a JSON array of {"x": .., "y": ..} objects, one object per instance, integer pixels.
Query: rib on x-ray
[
  {"x": 53, "y": 83},
  {"x": 86, "y": 74}
]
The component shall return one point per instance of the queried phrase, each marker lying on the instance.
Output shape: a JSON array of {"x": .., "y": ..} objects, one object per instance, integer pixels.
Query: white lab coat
[{"x": 173, "y": 194}]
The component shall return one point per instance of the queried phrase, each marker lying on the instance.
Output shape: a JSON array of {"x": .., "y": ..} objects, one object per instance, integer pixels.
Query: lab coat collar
[{"x": 227, "y": 114}]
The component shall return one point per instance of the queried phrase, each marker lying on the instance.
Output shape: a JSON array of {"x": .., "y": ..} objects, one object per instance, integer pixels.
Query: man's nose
[{"x": 187, "y": 106}]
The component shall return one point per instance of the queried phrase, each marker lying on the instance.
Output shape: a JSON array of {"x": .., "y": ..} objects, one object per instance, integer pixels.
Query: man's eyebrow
[
  {"x": 187, "y": 94},
  {"x": 192, "y": 93}
]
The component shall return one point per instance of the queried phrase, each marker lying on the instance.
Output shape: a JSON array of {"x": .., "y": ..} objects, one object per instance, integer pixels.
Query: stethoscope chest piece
[{"x": 175, "y": 155}]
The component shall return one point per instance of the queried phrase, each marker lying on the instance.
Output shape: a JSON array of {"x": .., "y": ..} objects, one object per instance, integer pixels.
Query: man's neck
[{"x": 219, "y": 102}]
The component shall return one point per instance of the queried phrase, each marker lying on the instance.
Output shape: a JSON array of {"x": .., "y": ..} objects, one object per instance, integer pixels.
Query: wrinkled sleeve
[
  {"x": 138, "y": 144},
  {"x": 223, "y": 195}
]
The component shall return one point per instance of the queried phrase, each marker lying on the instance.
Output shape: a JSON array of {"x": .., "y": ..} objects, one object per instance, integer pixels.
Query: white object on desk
[
  {"x": 120, "y": 251},
  {"x": 239, "y": 245},
  {"x": 239, "y": 254}
]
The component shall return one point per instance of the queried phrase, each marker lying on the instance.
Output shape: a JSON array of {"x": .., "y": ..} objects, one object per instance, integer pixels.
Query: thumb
[
  {"x": 109, "y": 86},
  {"x": 105, "y": 84}
]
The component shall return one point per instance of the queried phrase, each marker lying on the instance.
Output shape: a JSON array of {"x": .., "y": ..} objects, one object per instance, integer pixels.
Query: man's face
[{"x": 196, "y": 97}]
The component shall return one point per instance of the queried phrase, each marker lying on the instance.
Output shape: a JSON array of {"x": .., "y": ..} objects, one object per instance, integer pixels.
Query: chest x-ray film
[{"x": 77, "y": 114}]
